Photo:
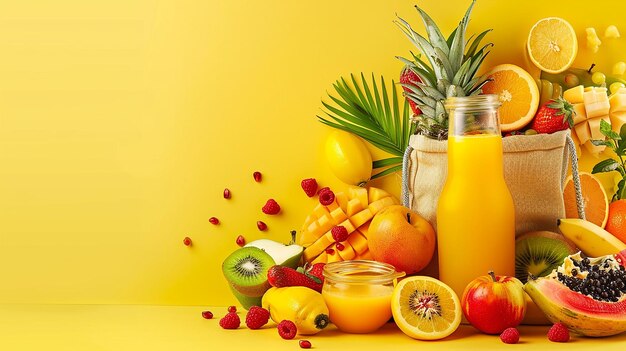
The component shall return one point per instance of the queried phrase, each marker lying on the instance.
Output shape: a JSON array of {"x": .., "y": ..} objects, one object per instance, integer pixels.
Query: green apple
[{"x": 283, "y": 255}]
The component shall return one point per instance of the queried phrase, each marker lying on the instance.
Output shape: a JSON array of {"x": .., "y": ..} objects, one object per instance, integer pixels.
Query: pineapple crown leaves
[
  {"x": 562, "y": 107},
  {"x": 373, "y": 115}
]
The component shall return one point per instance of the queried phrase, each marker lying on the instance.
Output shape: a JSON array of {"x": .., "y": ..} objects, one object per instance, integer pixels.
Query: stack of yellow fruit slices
[
  {"x": 591, "y": 105},
  {"x": 352, "y": 209}
]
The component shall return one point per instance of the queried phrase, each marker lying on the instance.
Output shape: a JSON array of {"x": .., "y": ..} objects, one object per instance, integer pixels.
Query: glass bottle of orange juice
[{"x": 475, "y": 213}]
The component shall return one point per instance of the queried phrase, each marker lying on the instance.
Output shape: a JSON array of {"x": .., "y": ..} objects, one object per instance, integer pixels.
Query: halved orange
[
  {"x": 424, "y": 308},
  {"x": 552, "y": 45},
  {"x": 518, "y": 93},
  {"x": 595, "y": 201}
]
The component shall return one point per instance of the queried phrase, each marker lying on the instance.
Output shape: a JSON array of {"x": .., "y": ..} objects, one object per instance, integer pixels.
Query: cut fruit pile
[
  {"x": 591, "y": 105},
  {"x": 353, "y": 209}
]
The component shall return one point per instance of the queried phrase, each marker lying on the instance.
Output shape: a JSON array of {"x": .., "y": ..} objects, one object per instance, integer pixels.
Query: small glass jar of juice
[{"x": 358, "y": 294}]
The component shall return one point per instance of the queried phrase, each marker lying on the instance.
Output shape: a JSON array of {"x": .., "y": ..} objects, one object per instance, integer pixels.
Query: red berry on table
[
  {"x": 553, "y": 116},
  {"x": 287, "y": 329},
  {"x": 207, "y": 314},
  {"x": 558, "y": 333},
  {"x": 340, "y": 233},
  {"x": 230, "y": 321},
  {"x": 309, "y": 186},
  {"x": 261, "y": 225},
  {"x": 257, "y": 176},
  {"x": 187, "y": 241},
  {"x": 326, "y": 197},
  {"x": 271, "y": 207},
  {"x": 257, "y": 317},
  {"x": 305, "y": 344},
  {"x": 232, "y": 309},
  {"x": 226, "y": 193},
  {"x": 241, "y": 241},
  {"x": 214, "y": 221},
  {"x": 510, "y": 336},
  {"x": 410, "y": 78}
]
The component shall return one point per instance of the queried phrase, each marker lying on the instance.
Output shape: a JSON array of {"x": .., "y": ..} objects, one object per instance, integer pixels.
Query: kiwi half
[
  {"x": 246, "y": 270},
  {"x": 539, "y": 253}
]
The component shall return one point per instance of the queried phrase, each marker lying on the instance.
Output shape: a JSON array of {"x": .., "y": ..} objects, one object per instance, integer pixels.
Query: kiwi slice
[
  {"x": 246, "y": 270},
  {"x": 539, "y": 253}
]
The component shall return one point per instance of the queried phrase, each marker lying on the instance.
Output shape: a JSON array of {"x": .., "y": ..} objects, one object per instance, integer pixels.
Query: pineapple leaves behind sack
[
  {"x": 370, "y": 114},
  {"x": 617, "y": 143}
]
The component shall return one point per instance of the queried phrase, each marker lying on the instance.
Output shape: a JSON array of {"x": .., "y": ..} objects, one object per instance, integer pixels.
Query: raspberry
[
  {"x": 287, "y": 329},
  {"x": 271, "y": 207},
  {"x": 207, "y": 314},
  {"x": 230, "y": 321},
  {"x": 558, "y": 333},
  {"x": 309, "y": 186},
  {"x": 257, "y": 176},
  {"x": 323, "y": 190},
  {"x": 232, "y": 309},
  {"x": 340, "y": 233},
  {"x": 305, "y": 344},
  {"x": 261, "y": 225},
  {"x": 257, "y": 317},
  {"x": 510, "y": 336},
  {"x": 326, "y": 197}
]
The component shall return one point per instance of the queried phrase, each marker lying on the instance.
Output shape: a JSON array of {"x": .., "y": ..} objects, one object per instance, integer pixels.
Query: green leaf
[
  {"x": 386, "y": 162},
  {"x": 607, "y": 165},
  {"x": 620, "y": 193},
  {"x": 608, "y": 143},
  {"x": 620, "y": 150},
  {"x": 605, "y": 129}
]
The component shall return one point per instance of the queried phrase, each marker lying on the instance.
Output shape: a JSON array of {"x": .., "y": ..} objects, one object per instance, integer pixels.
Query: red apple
[
  {"x": 493, "y": 303},
  {"x": 402, "y": 238}
]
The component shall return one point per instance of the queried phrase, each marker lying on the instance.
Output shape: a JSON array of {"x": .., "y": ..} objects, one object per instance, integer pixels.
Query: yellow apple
[{"x": 402, "y": 238}]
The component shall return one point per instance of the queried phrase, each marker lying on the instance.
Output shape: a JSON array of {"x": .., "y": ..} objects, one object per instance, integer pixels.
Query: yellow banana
[
  {"x": 303, "y": 306},
  {"x": 591, "y": 239}
]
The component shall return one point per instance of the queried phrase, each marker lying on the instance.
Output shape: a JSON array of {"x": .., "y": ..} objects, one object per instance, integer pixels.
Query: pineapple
[{"x": 450, "y": 72}]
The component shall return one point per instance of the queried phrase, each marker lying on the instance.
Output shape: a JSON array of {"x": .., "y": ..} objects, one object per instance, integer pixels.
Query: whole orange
[
  {"x": 402, "y": 238},
  {"x": 616, "y": 223}
]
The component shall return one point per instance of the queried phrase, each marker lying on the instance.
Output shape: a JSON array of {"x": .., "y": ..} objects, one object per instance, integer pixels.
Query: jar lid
[
  {"x": 361, "y": 271},
  {"x": 475, "y": 102}
]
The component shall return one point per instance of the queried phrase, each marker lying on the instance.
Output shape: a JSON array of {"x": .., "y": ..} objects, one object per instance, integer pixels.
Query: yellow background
[{"x": 122, "y": 121}]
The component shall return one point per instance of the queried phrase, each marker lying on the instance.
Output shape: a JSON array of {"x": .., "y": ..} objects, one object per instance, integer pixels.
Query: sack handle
[{"x": 575, "y": 176}]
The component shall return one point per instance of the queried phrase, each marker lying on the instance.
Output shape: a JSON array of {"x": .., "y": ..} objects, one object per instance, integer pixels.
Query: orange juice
[
  {"x": 359, "y": 308},
  {"x": 358, "y": 294},
  {"x": 475, "y": 213}
]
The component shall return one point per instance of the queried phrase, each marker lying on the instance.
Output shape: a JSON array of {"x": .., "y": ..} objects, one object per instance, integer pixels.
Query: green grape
[
  {"x": 598, "y": 78},
  {"x": 571, "y": 80},
  {"x": 615, "y": 87}
]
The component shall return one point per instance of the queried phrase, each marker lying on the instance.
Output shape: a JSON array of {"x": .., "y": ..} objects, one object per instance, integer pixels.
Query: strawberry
[
  {"x": 409, "y": 77},
  {"x": 315, "y": 270},
  {"x": 280, "y": 276},
  {"x": 553, "y": 116}
]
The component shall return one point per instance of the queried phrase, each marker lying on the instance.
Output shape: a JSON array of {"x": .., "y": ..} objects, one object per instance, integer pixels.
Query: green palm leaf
[{"x": 369, "y": 111}]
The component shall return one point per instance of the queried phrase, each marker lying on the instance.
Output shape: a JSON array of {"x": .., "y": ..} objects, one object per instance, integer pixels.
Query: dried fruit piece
[
  {"x": 558, "y": 333},
  {"x": 257, "y": 176},
  {"x": 305, "y": 344},
  {"x": 261, "y": 225},
  {"x": 207, "y": 314},
  {"x": 271, "y": 207},
  {"x": 214, "y": 221},
  {"x": 309, "y": 186},
  {"x": 287, "y": 329},
  {"x": 510, "y": 336},
  {"x": 340, "y": 246},
  {"x": 226, "y": 193},
  {"x": 257, "y": 317},
  {"x": 230, "y": 321},
  {"x": 187, "y": 241},
  {"x": 241, "y": 241},
  {"x": 232, "y": 309}
]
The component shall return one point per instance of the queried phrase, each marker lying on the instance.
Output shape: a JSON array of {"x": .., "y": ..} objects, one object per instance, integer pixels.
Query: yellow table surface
[{"x": 145, "y": 327}]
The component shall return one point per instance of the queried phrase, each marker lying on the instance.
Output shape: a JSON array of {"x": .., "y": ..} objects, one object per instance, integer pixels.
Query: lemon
[
  {"x": 348, "y": 158},
  {"x": 552, "y": 44},
  {"x": 424, "y": 308}
]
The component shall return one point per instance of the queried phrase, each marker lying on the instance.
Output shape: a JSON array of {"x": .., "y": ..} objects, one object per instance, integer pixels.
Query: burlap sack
[{"x": 535, "y": 167}]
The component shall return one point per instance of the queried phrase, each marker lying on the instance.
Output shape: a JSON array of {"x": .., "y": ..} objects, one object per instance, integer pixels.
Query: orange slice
[
  {"x": 552, "y": 44},
  {"x": 424, "y": 308},
  {"x": 518, "y": 93},
  {"x": 595, "y": 201}
]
